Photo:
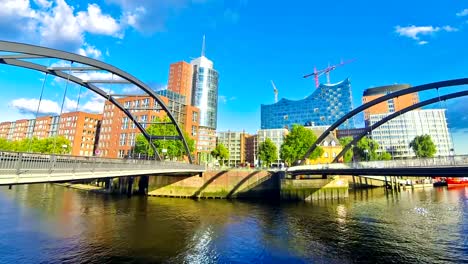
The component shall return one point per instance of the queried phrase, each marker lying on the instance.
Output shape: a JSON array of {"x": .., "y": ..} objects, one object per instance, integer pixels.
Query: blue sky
[{"x": 251, "y": 42}]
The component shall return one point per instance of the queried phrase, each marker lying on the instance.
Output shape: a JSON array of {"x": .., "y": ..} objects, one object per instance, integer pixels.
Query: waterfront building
[
  {"x": 235, "y": 144},
  {"x": 251, "y": 146},
  {"x": 80, "y": 128},
  {"x": 180, "y": 80},
  {"x": 323, "y": 107},
  {"x": 205, "y": 97},
  {"x": 391, "y": 105},
  {"x": 5, "y": 129},
  {"x": 396, "y": 135},
  {"x": 118, "y": 131},
  {"x": 331, "y": 147}
]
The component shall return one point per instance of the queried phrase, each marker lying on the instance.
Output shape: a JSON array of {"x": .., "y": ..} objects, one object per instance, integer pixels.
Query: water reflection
[{"x": 51, "y": 224}]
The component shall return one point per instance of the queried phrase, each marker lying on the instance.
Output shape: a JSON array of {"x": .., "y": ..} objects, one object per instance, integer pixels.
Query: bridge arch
[
  {"x": 419, "y": 88},
  {"x": 26, "y": 51},
  {"x": 397, "y": 114}
]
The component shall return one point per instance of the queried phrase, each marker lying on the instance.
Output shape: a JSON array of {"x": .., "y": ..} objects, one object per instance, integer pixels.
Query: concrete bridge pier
[
  {"x": 143, "y": 183},
  {"x": 130, "y": 186}
]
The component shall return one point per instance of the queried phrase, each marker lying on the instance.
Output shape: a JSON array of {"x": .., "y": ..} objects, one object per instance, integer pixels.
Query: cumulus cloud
[
  {"x": 94, "y": 21},
  {"x": 415, "y": 32},
  {"x": 28, "y": 106},
  {"x": 90, "y": 51},
  {"x": 55, "y": 24},
  {"x": 464, "y": 12}
]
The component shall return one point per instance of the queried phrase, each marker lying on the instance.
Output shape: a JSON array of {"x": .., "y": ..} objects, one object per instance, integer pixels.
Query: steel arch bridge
[
  {"x": 22, "y": 55},
  {"x": 419, "y": 88},
  {"x": 395, "y": 115}
]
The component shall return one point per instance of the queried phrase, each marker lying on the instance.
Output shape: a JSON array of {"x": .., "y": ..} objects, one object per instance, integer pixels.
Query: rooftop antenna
[
  {"x": 203, "y": 47},
  {"x": 275, "y": 91}
]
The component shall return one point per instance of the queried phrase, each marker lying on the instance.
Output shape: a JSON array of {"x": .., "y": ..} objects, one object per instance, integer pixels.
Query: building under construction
[{"x": 323, "y": 107}]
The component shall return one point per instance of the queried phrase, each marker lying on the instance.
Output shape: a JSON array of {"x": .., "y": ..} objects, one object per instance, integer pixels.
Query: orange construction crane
[{"x": 326, "y": 71}]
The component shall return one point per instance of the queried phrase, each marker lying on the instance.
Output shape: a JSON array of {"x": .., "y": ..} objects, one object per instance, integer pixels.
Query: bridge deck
[
  {"x": 456, "y": 166},
  {"x": 24, "y": 168}
]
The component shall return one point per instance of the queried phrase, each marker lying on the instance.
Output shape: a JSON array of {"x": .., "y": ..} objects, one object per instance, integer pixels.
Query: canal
[{"x": 53, "y": 224}]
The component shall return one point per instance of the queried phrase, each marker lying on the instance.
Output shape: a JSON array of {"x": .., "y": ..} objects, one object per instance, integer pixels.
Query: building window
[
  {"x": 123, "y": 139},
  {"x": 194, "y": 130}
]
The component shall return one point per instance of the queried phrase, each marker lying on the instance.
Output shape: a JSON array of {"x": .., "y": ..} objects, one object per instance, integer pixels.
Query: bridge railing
[
  {"x": 449, "y": 161},
  {"x": 30, "y": 163}
]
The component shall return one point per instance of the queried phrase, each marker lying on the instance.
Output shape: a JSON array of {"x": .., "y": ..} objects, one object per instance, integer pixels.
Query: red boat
[{"x": 457, "y": 181}]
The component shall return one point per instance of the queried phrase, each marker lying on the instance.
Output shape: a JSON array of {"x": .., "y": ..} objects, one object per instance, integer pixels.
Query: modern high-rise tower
[
  {"x": 205, "y": 89},
  {"x": 205, "y": 97}
]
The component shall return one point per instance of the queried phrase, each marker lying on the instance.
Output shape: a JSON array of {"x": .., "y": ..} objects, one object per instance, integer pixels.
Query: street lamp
[{"x": 366, "y": 151}]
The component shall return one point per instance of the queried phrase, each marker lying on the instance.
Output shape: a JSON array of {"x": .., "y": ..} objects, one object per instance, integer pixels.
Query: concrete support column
[{"x": 130, "y": 186}]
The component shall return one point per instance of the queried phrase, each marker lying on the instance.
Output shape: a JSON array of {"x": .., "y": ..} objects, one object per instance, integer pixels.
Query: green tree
[
  {"x": 267, "y": 152},
  {"x": 173, "y": 148},
  {"x": 423, "y": 146},
  {"x": 52, "y": 145},
  {"x": 297, "y": 143},
  {"x": 348, "y": 156},
  {"x": 5, "y": 145},
  {"x": 385, "y": 156},
  {"x": 366, "y": 150},
  {"x": 220, "y": 152}
]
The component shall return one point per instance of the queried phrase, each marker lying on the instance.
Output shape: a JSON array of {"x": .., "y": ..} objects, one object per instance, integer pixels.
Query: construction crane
[
  {"x": 275, "y": 91},
  {"x": 326, "y": 71}
]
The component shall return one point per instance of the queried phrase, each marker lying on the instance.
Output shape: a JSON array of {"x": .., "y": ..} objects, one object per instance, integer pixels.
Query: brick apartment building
[{"x": 80, "y": 128}]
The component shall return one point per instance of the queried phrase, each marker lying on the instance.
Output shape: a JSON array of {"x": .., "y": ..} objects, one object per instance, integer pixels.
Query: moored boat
[{"x": 457, "y": 181}]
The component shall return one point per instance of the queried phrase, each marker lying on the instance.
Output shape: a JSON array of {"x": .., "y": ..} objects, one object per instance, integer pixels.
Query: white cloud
[
  {"x": 94, "y": 21},
  {"x": 415, "y": 32},
  {"x": 89, "y": 51},
  {"x": 29, "y": 106},
  {"x": 55, "y": 24},
  {"x": 49, "y": 107},
  {"x": 464, "y": 12},
  {"x": 60, "y": 28}
]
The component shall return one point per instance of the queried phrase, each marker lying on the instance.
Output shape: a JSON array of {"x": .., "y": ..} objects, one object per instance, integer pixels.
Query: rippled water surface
[{"x": 52, "y": 224}]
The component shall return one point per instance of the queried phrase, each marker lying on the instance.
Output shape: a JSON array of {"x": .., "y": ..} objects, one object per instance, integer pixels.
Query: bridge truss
[
  {"x": 424, "y": 87},
  {"x": 32, "y": 57}
]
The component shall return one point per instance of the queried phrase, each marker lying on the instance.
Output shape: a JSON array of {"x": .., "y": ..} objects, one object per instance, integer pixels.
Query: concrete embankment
[
  {"x": 225, "y": 184},
  {"x": 229, "y": 184},
  {"x": 314, "y": 189}
]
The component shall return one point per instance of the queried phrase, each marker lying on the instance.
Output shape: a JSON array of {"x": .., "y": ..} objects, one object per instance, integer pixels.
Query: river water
[{"x": 53, "y": 224}]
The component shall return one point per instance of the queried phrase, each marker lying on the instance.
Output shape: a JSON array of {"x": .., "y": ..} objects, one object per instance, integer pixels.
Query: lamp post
[{"x": 366, "y": 151}]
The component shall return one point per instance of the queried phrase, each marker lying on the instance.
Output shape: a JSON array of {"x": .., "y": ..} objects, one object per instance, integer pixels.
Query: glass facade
[
  {"x": 205, "y": 91},
  {"x": 323, "y": 107},
  {"x": 395, "y": 135}
]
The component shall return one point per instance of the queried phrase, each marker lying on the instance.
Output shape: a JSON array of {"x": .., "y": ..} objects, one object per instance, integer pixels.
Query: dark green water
[{"x": 52, "y": 224}]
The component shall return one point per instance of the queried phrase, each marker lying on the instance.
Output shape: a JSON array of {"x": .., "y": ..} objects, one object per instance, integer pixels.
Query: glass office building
[
  {"x": 323, "y": 107},
  {"x": 205, "y": 91}
]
